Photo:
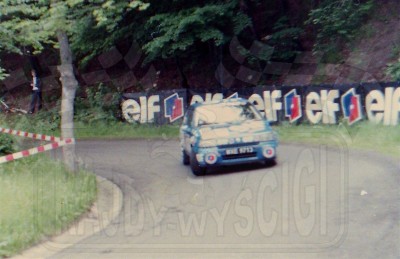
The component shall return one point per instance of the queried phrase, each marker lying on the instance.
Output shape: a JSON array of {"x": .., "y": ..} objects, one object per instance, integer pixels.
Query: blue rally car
[{"x": 226, "y": 132}]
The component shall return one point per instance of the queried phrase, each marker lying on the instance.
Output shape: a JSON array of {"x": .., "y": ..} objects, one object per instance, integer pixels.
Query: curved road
[{"x": 317, "y": 202}]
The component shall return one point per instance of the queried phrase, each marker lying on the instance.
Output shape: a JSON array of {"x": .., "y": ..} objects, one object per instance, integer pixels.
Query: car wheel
[
  {"x": 185, "y": 158},
  {"x": 194, "y": 165}
]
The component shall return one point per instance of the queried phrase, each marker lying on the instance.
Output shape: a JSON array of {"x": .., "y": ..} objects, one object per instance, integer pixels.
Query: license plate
[{"x": 239, "y": 150}]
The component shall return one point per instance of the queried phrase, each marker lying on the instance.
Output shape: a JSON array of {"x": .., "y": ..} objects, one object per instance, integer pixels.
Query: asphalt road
[{"x": 317, "y": 202}]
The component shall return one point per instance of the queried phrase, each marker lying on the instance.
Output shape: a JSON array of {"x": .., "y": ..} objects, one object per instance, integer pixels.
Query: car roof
[{"x": 230, "y": 101}]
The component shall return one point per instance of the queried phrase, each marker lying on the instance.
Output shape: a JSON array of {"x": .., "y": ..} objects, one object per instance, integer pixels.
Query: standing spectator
[{"x": 36, "y": 92}]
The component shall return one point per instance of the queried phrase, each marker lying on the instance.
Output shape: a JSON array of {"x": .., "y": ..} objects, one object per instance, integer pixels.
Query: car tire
[
  {"x": 194, "y": 165},
  {"x": 185, "y": 158}
]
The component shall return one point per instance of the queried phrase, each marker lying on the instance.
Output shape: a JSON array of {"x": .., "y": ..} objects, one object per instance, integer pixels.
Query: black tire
[
  {"x": 185, "y": 158},
  {"x": 194, "y": 165}
]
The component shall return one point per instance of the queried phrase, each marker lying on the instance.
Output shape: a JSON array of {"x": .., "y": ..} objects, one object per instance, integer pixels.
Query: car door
[{"x": 186, "y": 131}]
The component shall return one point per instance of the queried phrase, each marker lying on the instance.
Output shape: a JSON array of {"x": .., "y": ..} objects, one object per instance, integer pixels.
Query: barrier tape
[
  {"x": 56, "y": 143},
  {"x": 35, "y": 150},
  {"x": 30, "y": 135}
]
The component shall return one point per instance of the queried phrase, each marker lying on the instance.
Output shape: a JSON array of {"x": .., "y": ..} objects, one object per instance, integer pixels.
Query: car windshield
[{"x": 224, "y": 113}]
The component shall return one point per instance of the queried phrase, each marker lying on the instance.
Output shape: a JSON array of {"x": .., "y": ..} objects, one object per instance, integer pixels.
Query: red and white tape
[
  {"x": 35, "y": 150},
  {"x": 56, "y": 143},
  {"x": 30, "y": 135}
]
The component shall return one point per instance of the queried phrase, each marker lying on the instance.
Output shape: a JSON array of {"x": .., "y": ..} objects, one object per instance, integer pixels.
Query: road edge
[{"x": 104, "y": 211}]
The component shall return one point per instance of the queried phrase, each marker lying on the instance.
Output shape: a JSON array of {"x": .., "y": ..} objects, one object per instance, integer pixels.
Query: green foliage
[
  {"x": 285, "y": 39},
  {"x": 3, "y": 74},
  {"x": 110, "y": 23},
  {"x": 49, "y": 120},
  {"x": 85, "y": 41},
  {"x": 395, "y": 50},
  {"x": 393, "y": 70},
  {"x": 34, "y": 24},
  {"x": 112, "y": 12},
  {"x": 337, "y": 21},
  {"x": 6, "y": 144},
  {"x": 176, "y": 31},
  {"x": 264, "y": 53},
  {"x": 100, "y": 105},
  {"x": 44, "y": 122},
  {"x": 331, "y": 54},
  {"x": 27, "y": 24},
  {"x": 281, "y": 45}
]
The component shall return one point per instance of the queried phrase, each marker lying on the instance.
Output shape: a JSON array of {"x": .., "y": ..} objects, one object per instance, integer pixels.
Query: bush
[
  {"x": 100, "y": 105},
  {"x": 43, "y": 122},
  {"x": 6, "y": 144},
  {"x": 393, "y": 70}
]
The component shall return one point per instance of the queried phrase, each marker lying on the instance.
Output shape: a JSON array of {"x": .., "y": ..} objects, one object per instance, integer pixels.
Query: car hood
[{"x": 233, "y": 130}]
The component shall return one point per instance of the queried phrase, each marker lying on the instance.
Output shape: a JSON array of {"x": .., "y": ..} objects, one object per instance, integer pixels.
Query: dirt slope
[{"x": 364, "y": 60}]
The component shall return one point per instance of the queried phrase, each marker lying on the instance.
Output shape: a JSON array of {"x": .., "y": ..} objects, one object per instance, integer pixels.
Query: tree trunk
[{"x": 69, "y": 86}]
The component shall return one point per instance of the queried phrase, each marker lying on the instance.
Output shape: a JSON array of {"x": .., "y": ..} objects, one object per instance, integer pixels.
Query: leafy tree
[
  {"x": 187, "y": 28},
  {"x": 111, "y": 23},
  {"x": 176, "y": 32},
  {"x": 337, "y": 21},
  {"x": 42, "y": 23},
  {"x": 285, "y": 39}
]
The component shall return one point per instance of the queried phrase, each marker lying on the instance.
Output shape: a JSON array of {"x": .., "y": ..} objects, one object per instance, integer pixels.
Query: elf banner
[
  {"x": 315, "y": 104},
  {"x": 159, "y": 107}
]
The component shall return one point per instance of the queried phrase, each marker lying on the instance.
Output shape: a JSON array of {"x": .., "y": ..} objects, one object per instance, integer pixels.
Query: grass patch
[
  {"x": 39, "y": 199},
  {"x": 40, "y": 123},
  {"x": 123, "y": 130},
  {"x": 362, "y": 136}
]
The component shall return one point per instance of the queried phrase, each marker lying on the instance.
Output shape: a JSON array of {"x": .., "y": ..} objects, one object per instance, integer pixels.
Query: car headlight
[{"x": 208, "y": 143}]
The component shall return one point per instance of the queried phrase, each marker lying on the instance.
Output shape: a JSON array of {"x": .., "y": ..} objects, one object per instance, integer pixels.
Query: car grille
[
  {"x": 247, "y": 155},
  {"x": 238, "y": 145}
]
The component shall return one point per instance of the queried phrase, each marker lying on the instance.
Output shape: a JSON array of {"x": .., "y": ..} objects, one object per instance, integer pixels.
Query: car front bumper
[{"x": 236, "y": 154}]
